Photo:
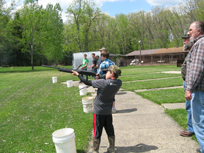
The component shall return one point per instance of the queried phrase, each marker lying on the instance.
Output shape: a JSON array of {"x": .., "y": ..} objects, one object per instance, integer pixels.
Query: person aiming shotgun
[{"x": 102, "y": 112}]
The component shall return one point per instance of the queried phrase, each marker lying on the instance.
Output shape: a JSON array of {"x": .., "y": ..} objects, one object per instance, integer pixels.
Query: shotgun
[{"x": 89, "y": 73}]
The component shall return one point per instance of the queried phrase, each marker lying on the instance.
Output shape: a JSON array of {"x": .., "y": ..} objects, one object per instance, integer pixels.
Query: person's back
[{"x": 105, "y": 94}]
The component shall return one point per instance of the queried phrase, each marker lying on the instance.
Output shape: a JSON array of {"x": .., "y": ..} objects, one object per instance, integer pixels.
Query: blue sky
[
  {"x": 113, "y": 7},
  {"x": 125, "y": 7},
  {"x": 128, "y": 6}
]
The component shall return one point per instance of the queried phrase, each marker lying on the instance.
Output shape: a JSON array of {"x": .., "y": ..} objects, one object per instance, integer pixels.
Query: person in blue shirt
[
  {"x": 106, "y": 62},
  {"x": 104, "y": 65}
]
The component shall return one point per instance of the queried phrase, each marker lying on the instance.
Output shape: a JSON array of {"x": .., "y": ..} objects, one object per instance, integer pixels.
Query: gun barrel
[{"x": 70, "y": 70}]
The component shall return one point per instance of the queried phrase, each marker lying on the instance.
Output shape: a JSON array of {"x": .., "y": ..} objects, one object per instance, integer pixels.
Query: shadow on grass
[
  {"x": 121, "y": 93},
  {"x": 127, "y": 110},
  {"x": 134, "y": 149},
  {"x": 81, "y": 151}
]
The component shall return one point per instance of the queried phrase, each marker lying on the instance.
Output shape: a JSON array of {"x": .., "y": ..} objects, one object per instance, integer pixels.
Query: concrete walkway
[
  {"x": 174, "y": 105},
  {"x": 142, "y": 126}
]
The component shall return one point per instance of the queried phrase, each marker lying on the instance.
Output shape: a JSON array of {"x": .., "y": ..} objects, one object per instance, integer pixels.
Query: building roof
[
  {"x": 112, "y": 55},
  {"x": 170, "y": 50},
  {"x": 143, "y": 52}
]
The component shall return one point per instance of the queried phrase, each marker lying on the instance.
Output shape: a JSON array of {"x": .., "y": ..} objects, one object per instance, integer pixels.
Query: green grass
[
  {"x": 134, "y": 70},
  {"x": 27, "y": 69},
  {"x": 32, "y": 108},
  {"x": 180, "y": 116},
  {"x": 164, "y": 96},
  {"x": 152, "y": 84},
  {"x": 148, "y": 76}
]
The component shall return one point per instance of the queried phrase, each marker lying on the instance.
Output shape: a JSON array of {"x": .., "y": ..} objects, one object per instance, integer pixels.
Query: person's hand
[
  {"x": 75, "y": 73},
  {"x": 81, "y": 68},
  {"x": 188, "y": 95}
]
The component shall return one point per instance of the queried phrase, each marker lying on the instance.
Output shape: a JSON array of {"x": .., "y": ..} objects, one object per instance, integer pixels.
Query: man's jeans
[
  {"x": 188, "y": 108},
  {"x": 197, "y": 111}
]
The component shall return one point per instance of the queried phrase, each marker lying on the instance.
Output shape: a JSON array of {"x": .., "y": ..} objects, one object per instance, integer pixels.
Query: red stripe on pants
[{"x": 94, "y": 125}]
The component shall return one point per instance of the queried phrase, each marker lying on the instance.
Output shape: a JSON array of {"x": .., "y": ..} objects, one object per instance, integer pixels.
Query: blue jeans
[
  {"x": 197, "y": 111},
  {"x": 188, "y": 108}
]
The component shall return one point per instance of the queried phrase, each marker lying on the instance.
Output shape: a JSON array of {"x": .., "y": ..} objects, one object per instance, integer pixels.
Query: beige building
[{"x": 174, "y": 55}]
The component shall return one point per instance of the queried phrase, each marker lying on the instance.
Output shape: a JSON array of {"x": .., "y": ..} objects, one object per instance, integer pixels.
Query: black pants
[
  {"x": 100, "y": 121},
  {"x": 86, "y": 75}
]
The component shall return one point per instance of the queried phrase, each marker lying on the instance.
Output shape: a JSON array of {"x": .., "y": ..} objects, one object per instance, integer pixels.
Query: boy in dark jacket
[{"x": 102, "y": 112}]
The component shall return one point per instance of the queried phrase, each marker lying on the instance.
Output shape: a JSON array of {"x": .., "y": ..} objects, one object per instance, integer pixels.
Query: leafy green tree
[
  {"x": 52, "y": 30},
  {"x": 31, "y": 19},
  {"x": 83, "y": 14},
  {"x": 5, "y": 36}
]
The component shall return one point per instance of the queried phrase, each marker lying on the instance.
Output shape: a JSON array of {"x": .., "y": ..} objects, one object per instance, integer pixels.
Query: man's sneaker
[
  {"x": 186, "y": 133},
  {"x": 114, "y": 110},
  {"x": 198, "y": 150}
]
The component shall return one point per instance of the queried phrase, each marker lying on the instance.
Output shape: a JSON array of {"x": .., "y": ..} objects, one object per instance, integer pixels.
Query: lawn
[
  {"x": 164, "y": 96},
  {"x": 180, "y": 116},
  {"x": 134, "y": 70},
  {"x": 147, "y": 76},
  {"x": 32, "y": 108},
  {"x": 152, "y": 84}
]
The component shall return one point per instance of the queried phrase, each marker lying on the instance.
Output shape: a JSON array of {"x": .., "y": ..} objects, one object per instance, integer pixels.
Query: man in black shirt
[{"x": 93, "y": 66}]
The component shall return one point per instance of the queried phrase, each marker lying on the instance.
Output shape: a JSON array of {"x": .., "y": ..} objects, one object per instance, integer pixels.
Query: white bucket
[
  {"x": 64, "y": 140},
  {"x": 82, "y": 91},
  {"x": 69, "y": 83},
  {"x": 94, "y": 95},
  {"x": 87, "y": 104},
  {"x": 54, "y": 79}
]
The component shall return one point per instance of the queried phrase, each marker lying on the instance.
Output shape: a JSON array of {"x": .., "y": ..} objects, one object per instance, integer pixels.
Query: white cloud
[{"x": 163, "y": 2}]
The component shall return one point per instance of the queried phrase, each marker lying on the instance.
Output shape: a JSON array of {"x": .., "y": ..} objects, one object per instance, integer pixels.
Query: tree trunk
[{"x": 32, "y": 57}]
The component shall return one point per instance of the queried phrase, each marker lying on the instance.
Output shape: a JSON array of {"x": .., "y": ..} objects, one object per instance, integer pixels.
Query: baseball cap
[
  {"x": 185, "y": 36},
  {"x": 115, "y": 69},
  {"x": 103, "y": 48}
]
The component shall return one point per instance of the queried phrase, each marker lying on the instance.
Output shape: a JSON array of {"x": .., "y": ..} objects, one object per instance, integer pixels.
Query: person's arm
[
  {"x": 183, "y": 70},
  {"x": 84, "y": 66},
  {"x": 86, "y": 82},
  {"x": 195, "y": 72},
  {"x": 91, "y": 66}
]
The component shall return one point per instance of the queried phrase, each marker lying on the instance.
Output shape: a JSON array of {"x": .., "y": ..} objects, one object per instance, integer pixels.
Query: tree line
[{"x": 34, "y": 35}]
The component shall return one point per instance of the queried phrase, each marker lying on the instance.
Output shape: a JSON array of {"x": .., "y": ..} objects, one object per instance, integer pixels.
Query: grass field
[
  {"x": 180, "y": 116},
  {"x": 32, "y": 108},
  {"x": 152, "y": 84},
  {"x": 164, "y": 96}
]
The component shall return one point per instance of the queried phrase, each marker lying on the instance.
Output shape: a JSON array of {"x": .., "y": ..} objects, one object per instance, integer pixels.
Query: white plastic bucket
[
  {"x": 82, "y": 91},
  {"x": 54, "y": 79},
  {"x": 69, "y": 83},
  {"x": 87, "y": 104},
  {"x": 94, "y": 95},
  {"x": 64, "y": 140}
]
